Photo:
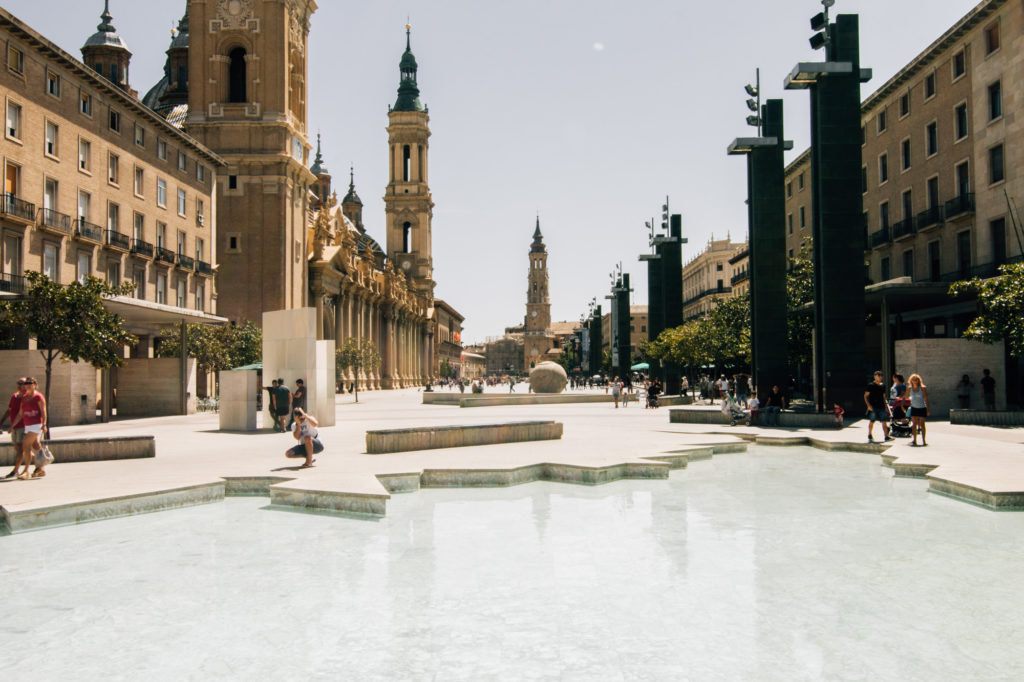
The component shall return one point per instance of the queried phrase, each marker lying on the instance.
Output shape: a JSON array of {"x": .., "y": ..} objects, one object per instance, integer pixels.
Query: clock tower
[{"x": 537, "y": 337}]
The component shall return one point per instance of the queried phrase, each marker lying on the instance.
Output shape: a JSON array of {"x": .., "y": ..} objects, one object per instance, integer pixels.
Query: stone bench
[
  {"x": 90, "y": 449},
  {"x": 433, "y": 437},
  {"x": 797, "y": 420},
  {"x": 986, "y": 418},
  {"x": 494, "y": 399}
]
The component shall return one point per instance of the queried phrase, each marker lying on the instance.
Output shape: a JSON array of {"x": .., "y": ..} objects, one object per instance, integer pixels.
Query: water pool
[{"x": 778, "y": 564}]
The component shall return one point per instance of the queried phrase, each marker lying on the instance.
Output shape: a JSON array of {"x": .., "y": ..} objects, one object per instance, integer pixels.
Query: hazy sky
[{"x": 589, "y": 112}]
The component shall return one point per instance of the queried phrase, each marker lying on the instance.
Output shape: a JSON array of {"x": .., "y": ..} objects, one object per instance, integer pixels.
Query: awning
[
  {"x": 139, "y": 314},
  {"x": 640, "y": 365}
]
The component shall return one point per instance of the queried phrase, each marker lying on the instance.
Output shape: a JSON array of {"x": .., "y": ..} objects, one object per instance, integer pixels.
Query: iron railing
[
  {"x": 929, "y": 217},
  {"x": 87, "y": 230},
  {"x": 13, "y": 206},
  {"x": 61, "y": 222},
  {"x": 165, "y": 255},
  {"x": 960, "y": 205},
  {"x": 903, "y": 228},
  {"x": 741, "y": 277},
  {"x": 142, "y": 248},
  {"x": 118, "y": 240},
  {"x": 12, "y": 284},
  {"x": 186, "y": 262},
  {"x": 204, "y": 268},
  {"x": 876, "y": 239}
]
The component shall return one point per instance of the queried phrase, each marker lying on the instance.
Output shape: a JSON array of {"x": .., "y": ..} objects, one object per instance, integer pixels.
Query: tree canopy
[
  {"x": 215, "y": 348},
  {"x": 356, "y": 354},
  {"x": 1001, "y": 302}
]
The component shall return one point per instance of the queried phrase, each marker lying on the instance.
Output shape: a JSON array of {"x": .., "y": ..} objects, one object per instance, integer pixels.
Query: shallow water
[{"x": 779, "y": 564}]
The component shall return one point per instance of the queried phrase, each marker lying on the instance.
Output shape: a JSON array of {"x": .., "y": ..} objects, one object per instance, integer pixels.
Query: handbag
[{"x": 43, "y": 457}]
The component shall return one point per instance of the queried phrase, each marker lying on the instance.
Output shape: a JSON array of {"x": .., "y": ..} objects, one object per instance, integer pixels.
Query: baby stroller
[
  {"x": 736, "y": 414},
  {"x": 899, "y": 423}
]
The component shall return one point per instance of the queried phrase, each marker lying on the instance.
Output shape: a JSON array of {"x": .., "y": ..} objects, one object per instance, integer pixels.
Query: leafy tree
[
  {"x": 799, "y": 292},
  {"x": 70, "y": 322},
  {"x": 246, "y": 347},
  {"x": 215, "y": 348},
  {"x": 728, "y": 331},
  {"x": 447, "y": 371},
  {"x": 356, "y": 354},
  {"x": 1001, "y": 300}
]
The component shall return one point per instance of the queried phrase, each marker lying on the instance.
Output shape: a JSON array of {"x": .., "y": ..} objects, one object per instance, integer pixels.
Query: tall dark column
[
  {"x": 837, "y": 222},
  {"x": 596, "y": 340},
  {"x": 621, "y": 336},
  {"x": 655, "y": 304},
  {"x": 671, "y": 250}
]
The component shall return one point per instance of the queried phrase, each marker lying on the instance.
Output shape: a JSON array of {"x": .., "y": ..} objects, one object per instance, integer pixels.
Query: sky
[{"x": 587, "y": 113}]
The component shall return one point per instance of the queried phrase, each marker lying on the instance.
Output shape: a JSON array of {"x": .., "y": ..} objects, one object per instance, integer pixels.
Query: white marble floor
[{"x": 778, "y": 564}]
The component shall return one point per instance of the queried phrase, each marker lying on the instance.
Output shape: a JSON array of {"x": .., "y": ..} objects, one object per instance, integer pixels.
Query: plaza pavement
[{"x": 193, "y": 455}]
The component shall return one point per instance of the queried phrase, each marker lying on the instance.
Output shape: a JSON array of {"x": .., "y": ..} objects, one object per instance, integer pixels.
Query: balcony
[
  {"x": 186, "y": 262},
  {"x": 929, "y": 218},
  {"x": 13, "y": 207},
  {"x": 204, "y": 268},
  {"x": 86, "y": 230},
  {"x": 164, "y": 255},
  {"x": 12, "y": 284},
  {"x": 904, "y": 228},
  {"x": 116, "y": 240},
  {"x": 880, "y": 238},
  {"x": 960, "y": 206},
  {"x": 53, "y": 221},
  {"x": 707, "y": 292},
  {"x": 141, "y": 248},
  {"x": 741, "y": 277}
]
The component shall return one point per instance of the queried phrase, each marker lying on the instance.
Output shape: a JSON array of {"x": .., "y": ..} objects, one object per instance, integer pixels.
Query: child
[
  {"x": 755, "y": 406},
  {"x": 837, "y": 415},
  {"x": 625, "y": 396}
]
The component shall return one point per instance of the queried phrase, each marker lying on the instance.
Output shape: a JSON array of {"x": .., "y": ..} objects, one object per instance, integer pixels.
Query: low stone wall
[
  {"x": 90, "y": 449},
  {"x": 669, "y": 400},
  {"x": 985, "y": 418},
  {"x": 494, "y": 399},
  {"x": 433, "y": 437},
  {"x": 796, "y": 420}
]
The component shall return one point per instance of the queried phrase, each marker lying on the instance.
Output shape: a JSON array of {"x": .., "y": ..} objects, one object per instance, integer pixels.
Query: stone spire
[
  {"x": 106, "y": 52},
  {"x": 538, "y": 239},
  {"x": 408, "y": 90},
  {"x": 352, "y": 197},
  {"x": 318, "y": 167}
]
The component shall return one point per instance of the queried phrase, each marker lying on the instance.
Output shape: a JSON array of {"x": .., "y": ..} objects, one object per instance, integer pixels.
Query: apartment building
[{"x": 707, "y": 277}]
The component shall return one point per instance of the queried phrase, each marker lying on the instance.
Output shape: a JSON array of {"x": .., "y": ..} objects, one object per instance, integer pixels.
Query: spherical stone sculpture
[{"x": 548, "y": 377}]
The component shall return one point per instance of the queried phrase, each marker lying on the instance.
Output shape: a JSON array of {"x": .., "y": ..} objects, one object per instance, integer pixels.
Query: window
[
  {"x": 908, "y": 263},
  {"x": 933, "y": 192},
  {"x": 50, "y": 260},
  {"x": 161, "y": 288},
  {"x": 789, "y": 189},
  {"x": 181, "y": 202},
  {"x": 84, "y": 155},
  {"x": 199, "y": 249},
  {"x": 200, "y": 296},
  {"x": 200, "y": 172},
  {"x": 182, "y": 162},
  {"x": 85, "y": 103},
  {"x": 113, "y": 217},
  {"x": 52, "y": 84},
  {"x": 863, "y": 179},
  {"x": 789, "y": 220},
  {"x": 113, "y": 272},
  {"x": 50, "y": 139},
  {"x": 882, "y": 122},
  {"x": 161, "y": 235},
  {"x": 161, "y": 149},
  {"x": 200, "y": 211},
  {"x": 995, "y": 101},
  {"x": 884, "y": 266},
  {"x": 138, "y": 227},
  {"x": 115, "y": 121},
  {"x": 997, "y": 228},
  {"x": 140, "y": 135},
  {"x": 232, "y": 182},
  {"x": 803, "y": 217},
  {"x": 161, "y": 192},
  {"x": 883, "y": 169},
  {"x": 234, "y": 243},
  {"x": 963, "y": 179},
  {"x": 905, "y": 154},
  {"x": 883, "y": 214},
  {"x": 84, "y": 267},
  {"x": 50, "y": 187},
  {"x": 180, "y": 298},
  {"x": 139, "y": 278},
  {"x": 963, "y": 252},
  {"x": 15, "y": 59},
  {"x": 84, "y": 206},
  {"x": 960, "y": 114},
  {"x": 113, "y": 168},
  {"x": 13, "y": 120},
  {"x": 959, "y": 64},
  {"x": 996, "y": 170},
  {"x": 181, "y": 243},
  {"x": 904, "y": 104},
  {"x": 929, "y": 86},
  {"x": 992, "y": 38},
  {"x": 236, "y": 75},
  {"x": 800, "y": 181},
  {"x": 140, "y": 176},
  {"x": 908, "y": 204},
  {"x": 931, "y": 139},
  {"x": 934, "y": 262}
]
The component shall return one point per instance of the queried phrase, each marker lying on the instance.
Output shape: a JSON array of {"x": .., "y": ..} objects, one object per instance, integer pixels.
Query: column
[
  {"x": 339, "y": 331},
  {"x": 319, "y": 294}
]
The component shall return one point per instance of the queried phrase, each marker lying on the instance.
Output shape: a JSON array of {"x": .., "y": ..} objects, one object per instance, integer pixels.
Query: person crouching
[{"x": 306, "y": 433}]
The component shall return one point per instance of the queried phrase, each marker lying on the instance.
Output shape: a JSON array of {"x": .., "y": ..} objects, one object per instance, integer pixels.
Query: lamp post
[{"x": 836, "y": 207}]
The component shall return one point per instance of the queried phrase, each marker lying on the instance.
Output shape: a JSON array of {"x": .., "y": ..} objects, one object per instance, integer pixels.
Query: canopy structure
[
  {"x": 639, "y": 366},
  {"x": 255, "y": 365}
]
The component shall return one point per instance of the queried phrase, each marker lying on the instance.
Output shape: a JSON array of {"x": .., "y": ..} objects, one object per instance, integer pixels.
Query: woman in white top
[
  {"x": 920, "y": 408},
  {"x": 308, "y": 436}
]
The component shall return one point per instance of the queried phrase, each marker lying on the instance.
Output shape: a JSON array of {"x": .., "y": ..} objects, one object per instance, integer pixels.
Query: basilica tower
[
  {"x": 408, "y": 206},
  {"x": 537, "y": 337},
  {"x": 247, "y": 85}
]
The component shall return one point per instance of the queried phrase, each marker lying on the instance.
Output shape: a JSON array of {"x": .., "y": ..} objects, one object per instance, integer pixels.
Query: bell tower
[
  {"x": 408, "y": 205},
  {"x": 247, "y": 102},
  {"x": 537, "y": 338}
]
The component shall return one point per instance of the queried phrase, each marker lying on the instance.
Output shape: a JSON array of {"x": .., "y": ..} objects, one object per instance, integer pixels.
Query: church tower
[
  {"x": 106, "y": 52},
  {"x": 247, "y": 102},
  {"x": 407, "y": 203},
  {"x": 537, "y": 337}
]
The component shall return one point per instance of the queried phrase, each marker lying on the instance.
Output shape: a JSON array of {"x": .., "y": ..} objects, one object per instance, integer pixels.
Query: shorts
[
  {"x": 878, "y": 415},
  {"x": 917, "y": 412},
  {"x": 33, "y": 428},
  {"x": 17, "y": 436},
  {"x": 300, "y": 449}
]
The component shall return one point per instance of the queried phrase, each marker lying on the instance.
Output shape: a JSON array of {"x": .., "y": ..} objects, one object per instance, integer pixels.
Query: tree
[
  {"x": 215, "y": 348},
  {"x": 356, "y": 354},
  {"x": 799, "y": 292},
  {"x": 446, "y": 371},
  {"x": 1001, "y": 300},
  {"x": 70, "y": 322},
  {"x": 728, "y": 331}
]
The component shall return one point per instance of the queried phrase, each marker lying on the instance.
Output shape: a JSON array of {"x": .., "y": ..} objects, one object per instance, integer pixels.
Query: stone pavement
[{"x": 196, "y": 463}]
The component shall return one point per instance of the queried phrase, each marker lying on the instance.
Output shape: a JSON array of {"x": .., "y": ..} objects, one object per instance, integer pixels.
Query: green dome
[{"x": 408, "y": 90}]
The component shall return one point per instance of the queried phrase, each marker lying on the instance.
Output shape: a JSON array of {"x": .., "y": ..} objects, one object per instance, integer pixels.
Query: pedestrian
[
  {"x": 625, "y": 395},
  {"x": 284, "y": 404},
  {"x": 988, "y": 390},
  {"x": 308, "y": 435},
  {"x": 272, "y": 393},
  {"x": 837, "y": 415},
  {"x": 920, "y": 408},
  {"x": 616, "y": 391},
  {"x": 511, "y": 385},
  {"x": 17, "y": 428},
  {"x": 963, "y": 392},
  {"x": 32, "y": 415},
  {"x": 878, "y": 411},
  {"x": 755, "y": 408},
  {"x": 685, "y": 385},
  {"x": 298, "y": 399},
  {"x": 773, "y": 406}
]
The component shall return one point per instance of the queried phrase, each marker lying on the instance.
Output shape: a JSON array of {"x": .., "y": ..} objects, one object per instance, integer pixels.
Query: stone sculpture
[{"x": 548, "y": 377}]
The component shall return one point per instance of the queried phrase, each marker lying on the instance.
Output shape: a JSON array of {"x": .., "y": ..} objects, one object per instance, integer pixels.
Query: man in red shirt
[{"x": 17, "y": 428}]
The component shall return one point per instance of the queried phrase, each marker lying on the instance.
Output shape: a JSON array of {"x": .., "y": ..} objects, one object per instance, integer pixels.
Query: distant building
[
  {"x": 707, "y": 277},
  {"x": 448, "y": 337},
  {"x": 638, "y": 316},
  {"x": 538, "y": 341}
]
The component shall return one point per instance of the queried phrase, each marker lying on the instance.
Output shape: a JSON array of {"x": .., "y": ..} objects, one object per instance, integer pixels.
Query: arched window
[
  {"x": 406, "y": 237},
  {"x": 236, "y": 75},
  {"x": 406, "y": 163}
]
